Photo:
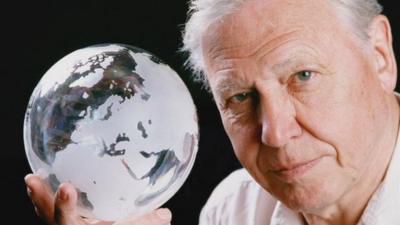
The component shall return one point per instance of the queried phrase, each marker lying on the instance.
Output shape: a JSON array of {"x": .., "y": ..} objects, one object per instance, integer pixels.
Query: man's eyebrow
[
  {"x": 226, "y": 84},
  {"x": 283, "y": 65},
  {"x": 293, "y": 64},
  {"x": 302, "y": 58},
  {"x": 223, "y": 86}
]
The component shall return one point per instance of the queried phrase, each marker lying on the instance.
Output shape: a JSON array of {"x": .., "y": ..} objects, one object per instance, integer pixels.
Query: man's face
[{"x": 299, "y": 97}]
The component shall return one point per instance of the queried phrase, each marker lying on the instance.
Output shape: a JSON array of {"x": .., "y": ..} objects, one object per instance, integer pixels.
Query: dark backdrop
[{"x": 36, "y": 34}]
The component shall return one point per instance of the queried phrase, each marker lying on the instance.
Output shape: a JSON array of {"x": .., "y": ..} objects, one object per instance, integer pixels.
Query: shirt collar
[{"x": 284, "y": 216}]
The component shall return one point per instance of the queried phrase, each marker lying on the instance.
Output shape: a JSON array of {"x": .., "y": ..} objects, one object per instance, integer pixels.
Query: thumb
[{"x": 65, "y": 212}]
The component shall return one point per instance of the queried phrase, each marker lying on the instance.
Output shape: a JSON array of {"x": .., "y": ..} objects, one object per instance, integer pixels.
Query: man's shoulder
[{"x": 235, "y": 200}]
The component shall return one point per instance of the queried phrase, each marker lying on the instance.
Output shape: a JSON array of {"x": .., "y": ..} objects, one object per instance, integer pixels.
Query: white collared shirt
[{"x": 239, "y": 200}]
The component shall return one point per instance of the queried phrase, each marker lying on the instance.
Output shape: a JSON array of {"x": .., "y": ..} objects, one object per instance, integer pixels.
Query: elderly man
[{"x": 305, "y": 93}]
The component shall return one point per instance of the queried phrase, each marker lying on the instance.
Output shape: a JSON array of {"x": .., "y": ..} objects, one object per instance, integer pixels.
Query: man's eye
[
  {"x": 242, "y": 103},
  {"x": 304, "y": 75},
  {"x": 241, "y": 97}
]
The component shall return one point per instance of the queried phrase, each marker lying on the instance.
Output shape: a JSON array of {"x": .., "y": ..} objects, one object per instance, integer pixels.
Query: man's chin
[{"x": 303, "y": 199}]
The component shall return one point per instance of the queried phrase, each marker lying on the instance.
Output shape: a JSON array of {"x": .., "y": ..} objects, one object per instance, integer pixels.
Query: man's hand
[{"x": 60, "y": 209}]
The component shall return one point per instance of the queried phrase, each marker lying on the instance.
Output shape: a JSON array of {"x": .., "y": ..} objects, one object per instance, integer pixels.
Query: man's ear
[{"x": 385, "y": 63}]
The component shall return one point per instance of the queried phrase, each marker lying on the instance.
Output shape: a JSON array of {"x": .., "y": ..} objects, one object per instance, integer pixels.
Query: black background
[{"x": 36, "y": 34}]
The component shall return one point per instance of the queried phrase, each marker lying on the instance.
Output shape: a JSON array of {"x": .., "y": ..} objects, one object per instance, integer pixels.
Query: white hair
[{"x": 202, "y": 13}]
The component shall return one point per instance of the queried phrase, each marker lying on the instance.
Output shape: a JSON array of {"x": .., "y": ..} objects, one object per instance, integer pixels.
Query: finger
[
  {"x": 161, "y": 216},
  {"x": 41, "y": 196},
  {"x": 65, "y": 211}
]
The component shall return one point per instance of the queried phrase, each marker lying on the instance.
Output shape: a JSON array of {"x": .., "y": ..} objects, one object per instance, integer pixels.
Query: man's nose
[{"x": 278, "y": 120}]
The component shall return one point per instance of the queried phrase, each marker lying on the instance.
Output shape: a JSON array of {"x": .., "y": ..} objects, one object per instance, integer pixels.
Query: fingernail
[
  {"x": 29, "y": 191},
  {"x": 164, "y": 214},
  {"x": 62, "y": 195},
  {"x": 25, "y": 178}
]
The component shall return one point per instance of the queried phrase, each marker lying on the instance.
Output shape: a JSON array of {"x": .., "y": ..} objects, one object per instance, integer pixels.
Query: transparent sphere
[{"x": 115, "y": 122}]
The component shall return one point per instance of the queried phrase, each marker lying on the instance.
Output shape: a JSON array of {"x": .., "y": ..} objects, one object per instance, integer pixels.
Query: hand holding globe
[{"x": 117, "y": 124}]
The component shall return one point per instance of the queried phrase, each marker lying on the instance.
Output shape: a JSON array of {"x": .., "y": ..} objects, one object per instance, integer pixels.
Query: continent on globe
[
  {"x": 62, "y": 108},
  {"x": 108, "y": 115},
  {"x": 141, "y": 128},
  {"x": 111, "y": 151},
  {"x": 166, "y": 160}
]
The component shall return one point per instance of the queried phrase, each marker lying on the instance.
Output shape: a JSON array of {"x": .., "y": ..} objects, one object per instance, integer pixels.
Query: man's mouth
[{"x": 294, "y": 171}]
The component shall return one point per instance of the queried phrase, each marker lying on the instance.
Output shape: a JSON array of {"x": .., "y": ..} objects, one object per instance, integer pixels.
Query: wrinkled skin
[
  {"x": 307, "y": 104},
  {"x": 61, "y": 208}
]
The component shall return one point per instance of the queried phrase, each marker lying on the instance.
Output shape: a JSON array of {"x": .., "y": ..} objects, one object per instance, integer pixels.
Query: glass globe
[{"x": 115, "y": 122}]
